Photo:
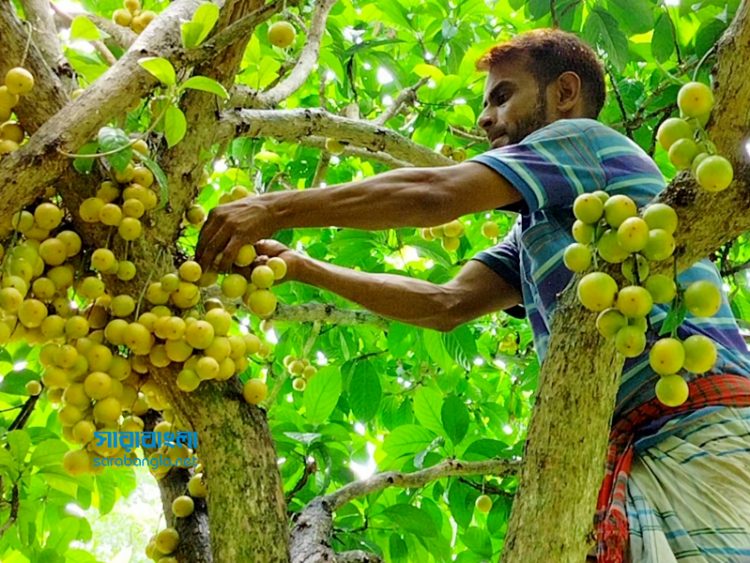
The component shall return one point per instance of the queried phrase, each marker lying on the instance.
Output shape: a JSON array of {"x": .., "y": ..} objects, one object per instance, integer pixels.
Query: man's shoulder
[{"x": 589, "y": 128}]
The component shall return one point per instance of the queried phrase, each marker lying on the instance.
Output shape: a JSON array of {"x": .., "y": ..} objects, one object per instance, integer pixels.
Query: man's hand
[
  {"x": 231, "y": 226},
  {"x": 270, "y": 248}
]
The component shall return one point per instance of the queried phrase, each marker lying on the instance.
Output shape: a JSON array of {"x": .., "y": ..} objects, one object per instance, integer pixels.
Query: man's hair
[{"x": 547, "y": 54}]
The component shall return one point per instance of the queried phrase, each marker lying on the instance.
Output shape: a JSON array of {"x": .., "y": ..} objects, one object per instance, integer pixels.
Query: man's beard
[{"x": 535, "y": 120}]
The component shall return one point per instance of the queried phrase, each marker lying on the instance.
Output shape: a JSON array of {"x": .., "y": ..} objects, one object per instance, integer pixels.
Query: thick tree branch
[
  {"x": 314, "y": 524},
  {"x": 293, "y": 125},
  {"x": 385, "y": 158},
  {"x": 308, "y": 59},
  {"x": 357, "y": 556},
  {"x": 312, "y": 312},
  {"x": 39, "y": 15}
]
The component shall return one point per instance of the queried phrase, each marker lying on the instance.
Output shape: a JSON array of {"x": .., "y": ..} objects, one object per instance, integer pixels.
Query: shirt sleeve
[
  {"x": 505, "y": 260},
  {"x": 550, "y": 167}
]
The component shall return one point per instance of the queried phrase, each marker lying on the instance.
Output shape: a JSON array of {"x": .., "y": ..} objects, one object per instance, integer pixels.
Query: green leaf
[
  {"x": 603, "y": 30},
  {"x": 461, "y": 500},
  {"x": 398, "y": 548},
  {"x": 478, "y": 541},
  {"x": 85, "y": 165},
  {"x": 408, "y": 439},
  {"x": 365, "y": 391},
  {"x": 485, "y": 448},
  {"x": 461, "y": 345},
  {"x": 677, "y": 313},
  {"x": 7, "y": 460},
  {"x": 160, "y": 176},
  {"x": 455, "y": 418},
  {"x": 195, "y": 31},
  {"x": 205, "y": 84},
  {"x": 160, "y": 68},
  {"x": 87, "y": 65},
  {"x": 105, "y": 485},
  {"x": 19, "y": 442},
  {"x": 322, "y": 394},
  {"x": 411, "y": 519},
  {"x": 538, "y": 8},
  {"x": 662, "y": 43},
  {"x": 82, "y": 28},
  {"x": 175, "y": 125},
  {"x": 427, "y": 403},
  {"x": 113, "y": 139},
  {"x": 636, "y": 16},
  {"x": 48, "y": 452},
  {"x": 15, "y": 382}
]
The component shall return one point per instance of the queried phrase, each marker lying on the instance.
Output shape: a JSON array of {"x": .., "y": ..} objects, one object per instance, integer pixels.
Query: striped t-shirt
[{"x": 550, "y": 168}]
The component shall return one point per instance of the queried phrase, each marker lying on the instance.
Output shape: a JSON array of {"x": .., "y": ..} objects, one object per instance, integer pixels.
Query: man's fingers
[
  {"x": 229, "y": 254},
  {"x": 213, "y": 245},
  {"x": 207, "y": 232}
]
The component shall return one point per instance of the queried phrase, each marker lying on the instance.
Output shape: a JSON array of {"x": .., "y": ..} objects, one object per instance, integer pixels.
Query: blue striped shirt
[{"x": 550, "y": 168}]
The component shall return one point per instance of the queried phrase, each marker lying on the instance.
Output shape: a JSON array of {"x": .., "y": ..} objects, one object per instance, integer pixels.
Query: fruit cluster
[
  {"x": 131, "y": 15},
  {"x": 687, "y": 142},
  {"x": 609, "y": 228},
  {"x": 18, "y": 82},
  {"x": 301, "y": 370},
  {"x": 457, "y": 154},
  {"x": 449, "y": 234}
]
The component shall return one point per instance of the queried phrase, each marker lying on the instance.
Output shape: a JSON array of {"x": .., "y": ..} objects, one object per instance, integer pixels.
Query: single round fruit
[
  {"x": 608, "y": 247},
  {"x": 702, "y": 299},
  {"x": 48, "y": 216},
  {"x": 130, "y": 228},
  {"x": 609, "y": 322},
  {"x": 281, "y": 34},
  {"x": 672, "y": 390},
  {"x": 76, "y": 462},
  {"x": 255, "y": 391},
  {"x": 660, "y": 216},
  {"x": 103, "y": 259},
  {"x": 334, "y": 146},
  {"x": 618, "y": 208},
  {"x": 697, "y": 162},
  {"x": 630, "y": 341},
  {"x": 183, "y": 506},
  {"x": 632, "y": 234},
  {"x": 188, "y": 380},
  {"x": 577, "y": 257},
  {"x": 583, "y": 232},
  {"x": 299, "y": 384},
  {"x": 33, "y": 387},
  {"x": 682, "y": 152},
  {"x": 451, "y": 244},
  {"x": 660, "y": 245},
  {"x": 700, "y": 353},
  {"x": 262, "y": 302},
  {"x": 483, "y": 503},
  {"x": 245, "y": 256},
  {"x": 661, "y": 287},
  {"x": 278, "y": 266},
  {"x": 19, "y": 81},
  {"x": 672, "y": 130},
  {"x": 634, "y": 301},
  {"x": 262, "y": 277},
  {"x": 234, "y": 285},
  {"x": 588, "y": 208},
  {"x": 666, "y": 356},
  {"x": 695, "y": 99},
  {"x": 190, "y": 271},
  {"x": 167, "y": 540},
  {"x": 596, "y": 291},
  {"x": 714, "y": 173},
  {"x": 196, "y": 487},
  {"x": 490, "y": 230}
]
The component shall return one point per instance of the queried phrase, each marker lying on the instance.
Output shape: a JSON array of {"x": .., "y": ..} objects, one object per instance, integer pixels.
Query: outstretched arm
[
  {"x": 407, "y": 197},
  {"x": 474, "y": 292}
]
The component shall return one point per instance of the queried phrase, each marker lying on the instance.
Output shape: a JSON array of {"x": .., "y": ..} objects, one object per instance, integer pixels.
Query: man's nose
[{"x": 485, "y": 121}]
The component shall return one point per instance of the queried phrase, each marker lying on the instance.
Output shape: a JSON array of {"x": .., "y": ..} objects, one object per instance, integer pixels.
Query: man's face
[{"x": 513, "y": 105}]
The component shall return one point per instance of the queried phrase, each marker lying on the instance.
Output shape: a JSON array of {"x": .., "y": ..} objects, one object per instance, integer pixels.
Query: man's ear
[{"x": 568, "y": 94}]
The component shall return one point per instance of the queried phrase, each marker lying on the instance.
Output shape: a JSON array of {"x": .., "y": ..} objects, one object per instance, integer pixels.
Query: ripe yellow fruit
[
  {"x": 91, "y": 287},
  {"x": 634, "y": 301},
  {"x": 190, "y": 271},
  {"x": 33, "y": 387},
  {"x": 188, "y": 380},
  {"x": 577, "y": 257},
  {"x": 672, "y": 390},
  {"x": 183, "y": 506},
  {"x": 130, "y": 228},
  {"x": 261, "y": 302},
  {"x": 453, "y": 229},
  {"x": 334, "y": 146},
  {"x": 8, "y": 146},
  {"x": 278, "y": 266},
  {"x": 207, "y": 368},
  {"x": 254, "y": 391},
  {"x": 71, "y": 240},
  {"x": 618, "y": 208},
  {"x": 483, "y": 503},
  {"x": 700, "y": 353},
  {"x": 143, "y": 176},
  {"x": 167, "y": 540},
  {"x": 660, "y": 216},
  {"x": 8, "y": 100},
  {"x": 695, "y": 99},
  {"x": 133, "y": 208},
  {"x": 122, "y": 17},
  {"x": 234, "y": 285},
  {"x": 596, "y": 291},
  {"x": 262, "y": 277},
  {"x": 714, "y": 173},
  {"x": 12, "y": 131},
  {"x": 108, "y": 409},
  {"x": 630, "y": 341},
  {"x": 451, "y": 244},
  {"x": 98, "y": 385},
  {"x": 672, "y": 130},
  {"x": 53, "y": 251},
  {"x": 138, "y": 338},
  {"x": 76, "y": 462},
  {"x": 196, "y": 487},
  {"x": 661, "y": 287},
  {"x": 31, "y": 313},
  {"x": 702, "y": 299},
  {"x": 126, "y": 270},
  {"x": 682, "y": 153},
  {"x": 103, "y": 259},
  {"x": 666, "y": 356},
  {"x": 220, "y": 319},
  {"x": 588, "y": 208},
  {"x": 19, "y": 81},
  {"x": 490, "y": 230},
  {"x": 48, "y": 216},
  {"x": 90, "y": 208},
  {"x": 199, "y": 334},
  {"x": 632, "y": 234},
  {"x": 281, "y": 34},
  {"x": 196, "y": 215},
  {"x": 609, "y": 249},
  {"x": 660, "y": 245},
  {"x": 110, "y": 214}
]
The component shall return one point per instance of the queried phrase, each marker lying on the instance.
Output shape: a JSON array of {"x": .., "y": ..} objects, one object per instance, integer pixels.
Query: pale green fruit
[
  {"x": 660, "y": 245},
  {"x": 703, "y": 299},
  {"x": 700, "y": 353},
  {"x": 632, "y": 234},
  {"x": 660, "y": 216},
  {"x": 630, "y": 341},
  {"x": 596, "y": 291},
  {"x": 661, "y": 287},
  {"x": 634, "y": 301},
  {"x": 609, "y": 248},
  {"x": 666, "y": 356},
  {"x": 618, "y": 208},
  {"x": 672, "y": 390},
  {"x": 577, "y": 257},
  {"x": 588, "y": 208},
  {"x": 609, "y": 322}
]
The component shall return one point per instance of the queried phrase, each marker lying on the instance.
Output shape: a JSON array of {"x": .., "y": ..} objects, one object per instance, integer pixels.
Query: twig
[
  {"x": 310, "y": 468},
  {"x": 674, "y": 35},
  {"x": 407, "y": 97},
  {"x": 620, "y": 103},
  {"x": 23, "y": 417},
  {"x": 14, "y": 503},
  {"x": 458, "y": 132}
]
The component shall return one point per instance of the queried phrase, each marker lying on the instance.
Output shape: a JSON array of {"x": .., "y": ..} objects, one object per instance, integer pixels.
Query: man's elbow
[{"x": 445, "y": 323}]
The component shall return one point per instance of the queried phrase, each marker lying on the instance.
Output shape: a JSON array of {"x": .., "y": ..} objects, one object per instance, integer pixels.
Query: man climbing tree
[{"x": 678, "y": 471}]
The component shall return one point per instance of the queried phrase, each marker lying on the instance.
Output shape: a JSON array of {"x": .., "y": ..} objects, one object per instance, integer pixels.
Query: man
[{"x": 678, "y": 480}]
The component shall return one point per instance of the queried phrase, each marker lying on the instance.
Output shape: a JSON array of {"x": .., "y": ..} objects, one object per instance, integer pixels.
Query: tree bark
[{"x": 564, "y": 462}]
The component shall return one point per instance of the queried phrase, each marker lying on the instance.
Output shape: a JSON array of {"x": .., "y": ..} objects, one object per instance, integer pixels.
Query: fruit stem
[
  {"x": 311, "y": 339},
  {"x": 28, "y": 41},
  {"x": 145, "y": 285}
]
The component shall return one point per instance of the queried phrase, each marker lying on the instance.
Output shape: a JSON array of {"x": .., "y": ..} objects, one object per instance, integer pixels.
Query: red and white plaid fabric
[{"x": 611, "y": 517}]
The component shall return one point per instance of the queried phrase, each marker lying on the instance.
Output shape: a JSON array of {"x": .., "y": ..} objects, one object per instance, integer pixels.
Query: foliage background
[{"x": 399, "y": 399}]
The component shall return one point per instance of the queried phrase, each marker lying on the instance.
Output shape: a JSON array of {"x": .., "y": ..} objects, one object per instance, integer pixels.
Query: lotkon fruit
[
  {"x": 695, "y": 99},
  {"x": 596, "y": 291},
  {"x": 666, "y": 356},
  {"x": 702, "y": 298},
  {"x": 254, "y": 391},
  {"x": 483, "y": 503},
  {"x": 281, "y": 34},
  {"x": 672, "y": 390},
  {"x": 700, "y": 353}
]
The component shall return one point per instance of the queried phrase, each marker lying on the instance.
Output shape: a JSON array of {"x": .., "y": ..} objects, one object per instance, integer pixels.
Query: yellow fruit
[
  {"x": 188, "y": 380},
  {"x": 126, "y": 270},
  {"x": 98, "y": 385},
  {"x": 167, "y": 540},
  {"x": 196, "y": 215},
  {"x": 48, "y": 216},
  {"x": 19, "y": 81},
  {"x": 281, "y": 34},
  {"x": 634, "y": 301},
  {"x": 451, "y": 244},
  {"x": 183, "y": 506},
  {"x": 220, "y": 319},
  {"x": 31, "y": 313},
  {"x": 630, "y": 341},
  {"x": 53, "y": 251},
  {"x": 72, "y": 242},
  {"x": 90, "y": 208},
  {"x": 103, "y": 259},
  {"x": 122, "y": 17},
  {"x": 490, "y": 230},
  {"x": 143, "y": 176},
  {"x": 252, "y": 344},
  {"x": 262, "y": 277},
  {"x": 618, "y": 208},
  {"x": 672, "y": 130},
  {"x": 660, "y": 245},
  {"x": 453, "y": 229},
  {"x": 12, "y": 131},
  {"x": 199, "y": 334},
  {"x": 138, "y": 338},
  {"x": 661, "y": 287},
  {"x": 695, "y": 99},
  {"x": 254, "y": 391},
  {"x": 278, "y": 266},
  {"x": 632, "y": 234},
  {"x": 7, "y": 146},
  {"x": 299, "y": 384},
  {"x": 190, "y": 271},
  {"x": 702, "y": 299},
  {"x": 596, "y": 291},
  {"x": 91, "y": 287},
  {"x": 660, "y": 216},
  {"x": 76, "y": 462},
  {"x": 234, "y": 285},
  {"x": 609, "y": 322},
  {"x": 666, "y": 356},
  {"x": 207, "y": 368},
  {"x": 577, "y": 257},
  {"x": 334, "y": 146},
  {"x": 33, "y": 387},
  {"x": 682, "y": 152},
  {"x": 262, "y": 302},
  {"x": 196, "y": 487},
  {"x": 672, "y": 390},
  {"x": 110, "y": 214},
  {"x": 122, "y": 305},
  {"x": 700, "y": 353},
  {"x": 714, "y": 173},
  {"x": 107, "y": 410},
  {"x": 609, "y": 249},
  {"x": 588, "y": 208},
  {"x": 130, "y": 228},
  {"x": 483, "y": 503},
  {"x": 8, "y": 100}
]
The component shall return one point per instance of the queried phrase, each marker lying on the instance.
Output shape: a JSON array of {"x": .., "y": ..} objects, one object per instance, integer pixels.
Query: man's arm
[
  {"x": 407, "y": 197},
  {"x": 474, "y": 292}
]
